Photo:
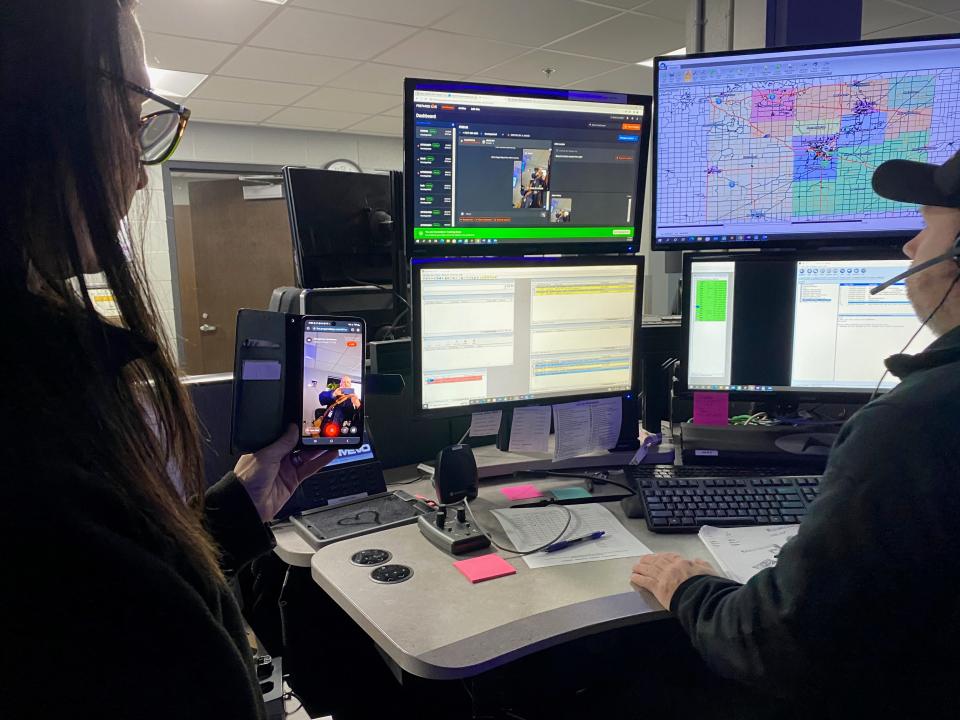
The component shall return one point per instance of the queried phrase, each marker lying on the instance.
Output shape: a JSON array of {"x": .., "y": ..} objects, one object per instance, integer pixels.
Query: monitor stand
[{"x": 492, "y": 462}]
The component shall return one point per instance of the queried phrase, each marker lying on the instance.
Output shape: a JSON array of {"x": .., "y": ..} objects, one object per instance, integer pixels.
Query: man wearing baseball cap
[{"x": 862, "y": 612}]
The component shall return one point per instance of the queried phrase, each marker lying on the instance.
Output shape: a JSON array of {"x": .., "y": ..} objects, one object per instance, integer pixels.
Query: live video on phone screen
[{"x": 332, "y": 383}]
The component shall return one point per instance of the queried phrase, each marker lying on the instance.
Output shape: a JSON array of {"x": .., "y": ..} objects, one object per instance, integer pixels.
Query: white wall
[{"x": 206, "y": 142}]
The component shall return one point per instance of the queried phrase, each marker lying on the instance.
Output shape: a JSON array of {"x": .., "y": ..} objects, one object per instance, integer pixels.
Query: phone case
[{"x": 261, "y": 407}]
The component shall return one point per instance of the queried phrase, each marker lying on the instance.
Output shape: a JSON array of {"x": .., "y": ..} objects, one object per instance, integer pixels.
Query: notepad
[
  {"x": 485, "y": 567},
  {"x": 521, "y": 492}
]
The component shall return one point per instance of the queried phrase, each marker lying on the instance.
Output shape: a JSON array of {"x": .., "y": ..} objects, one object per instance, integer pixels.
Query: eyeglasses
[{"x": 159, "y": 133}]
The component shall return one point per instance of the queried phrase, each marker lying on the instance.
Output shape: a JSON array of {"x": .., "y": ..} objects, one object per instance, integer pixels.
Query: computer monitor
[
  {"x": 799, "y": 324},
  {"x": 491, "y": 333},
  {"x": 345, "y": 227},
  {"x": 777, "y": 147},
  {"x": 496, "y": 169}
]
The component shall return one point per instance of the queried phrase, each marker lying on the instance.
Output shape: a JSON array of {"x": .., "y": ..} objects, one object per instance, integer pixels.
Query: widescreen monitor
[
  {"x": 777, "y": 147},
  {"x": 798, "y": 324},
  {"x": 491, "y": 333},
  {"x": 494, "y": 169}
]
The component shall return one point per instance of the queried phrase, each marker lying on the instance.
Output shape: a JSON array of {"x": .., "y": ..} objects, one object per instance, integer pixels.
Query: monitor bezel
[
  {"x": 798, "y": 395},
  {"x": 419, "y": 264},
  {"x": 833, "y": 241},
  {"x": 513, "y": 249}
]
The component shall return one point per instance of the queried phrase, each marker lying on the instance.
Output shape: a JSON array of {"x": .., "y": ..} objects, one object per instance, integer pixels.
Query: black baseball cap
[{"x": 922, "y": 183}]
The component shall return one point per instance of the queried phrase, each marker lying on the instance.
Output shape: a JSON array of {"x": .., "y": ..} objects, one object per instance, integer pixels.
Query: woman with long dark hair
[{"x": 114, "y": 597}]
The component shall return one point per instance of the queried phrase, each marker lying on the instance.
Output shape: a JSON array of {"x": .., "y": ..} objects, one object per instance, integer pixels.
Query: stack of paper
[
  {"x": 743, "y": 552},
  {"x": 528, "y": 528}
]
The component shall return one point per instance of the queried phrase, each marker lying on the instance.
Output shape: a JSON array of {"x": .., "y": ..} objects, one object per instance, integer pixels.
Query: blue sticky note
[{"x": 568, "y": 493}]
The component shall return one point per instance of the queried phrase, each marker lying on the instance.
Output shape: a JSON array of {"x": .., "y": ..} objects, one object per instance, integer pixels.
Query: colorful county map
[{"x": 796, "y": 150}]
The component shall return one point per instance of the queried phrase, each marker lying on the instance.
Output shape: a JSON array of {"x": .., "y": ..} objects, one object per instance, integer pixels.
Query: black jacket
[
  {"x": 862, "y": 612},
  {"x": 101, "y": 615}
]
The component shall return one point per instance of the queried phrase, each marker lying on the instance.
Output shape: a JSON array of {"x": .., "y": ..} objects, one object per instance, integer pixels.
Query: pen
[{"x": 567, "y": 543}]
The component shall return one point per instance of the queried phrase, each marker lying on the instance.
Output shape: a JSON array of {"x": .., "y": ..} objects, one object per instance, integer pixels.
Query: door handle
[{"x": 207, "y": 328}]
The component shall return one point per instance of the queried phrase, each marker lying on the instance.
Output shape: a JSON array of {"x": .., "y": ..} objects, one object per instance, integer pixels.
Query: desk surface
[{"x": 438, "y": 625}]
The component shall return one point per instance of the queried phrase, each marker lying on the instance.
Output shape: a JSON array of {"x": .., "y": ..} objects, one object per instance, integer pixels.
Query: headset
[{"x": 952, "y": 254}]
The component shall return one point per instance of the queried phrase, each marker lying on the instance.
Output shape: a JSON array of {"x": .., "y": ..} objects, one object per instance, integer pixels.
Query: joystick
[{"x": 454, "y": 537}]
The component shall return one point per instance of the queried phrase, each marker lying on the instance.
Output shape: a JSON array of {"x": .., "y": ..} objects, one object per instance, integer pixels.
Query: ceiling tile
[
  {"x": 375, "y": 77},
  {"x": 257, "y": 91},
  {"x": 262, "y": 64},
  {"x": 624, "y": 4},
  {"x": 309, "y": 118},
  {"x": 205, "y": 19},
  {"x": 527, "y": 22},
  {"x": 937, "y": 6},
  {"x": 628, "y": 38},
  {"x": 453, "y": 53},
  {"x": 880, "y": 14},
  {"x": 325, "y": 34},
  {"x": 395, "y": 111},
  {"x": 186, "y": 54},
  {"x": 420, "y": 13},
  {"x": 330, "y": 98},
  {"x": 220, "y": 111},
  {"x": 378, "y": 125},
  {"x": 629, "y": 79},
  {"x": 670, "y": 9},
  {"x": 567, "y": 68},
  {"x": 929, "y": 26}
]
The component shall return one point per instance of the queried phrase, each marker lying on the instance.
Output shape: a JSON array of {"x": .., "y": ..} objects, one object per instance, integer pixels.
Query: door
[{"x": 241, "y": 251}]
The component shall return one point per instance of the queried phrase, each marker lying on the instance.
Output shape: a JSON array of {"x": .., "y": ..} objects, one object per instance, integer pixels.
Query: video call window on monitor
[
  {"x": 777, "y": 147},
  {"x": 507, "y": 169},
  {"x": 796, "y": 325},
  {"x": 506, "y": 332}
]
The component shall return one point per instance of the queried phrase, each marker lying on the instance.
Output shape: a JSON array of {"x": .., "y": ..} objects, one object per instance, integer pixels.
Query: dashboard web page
[
  {"x": 761, "y": 146},
  {"x": 495, "y": 169},
  {"x": 797, "y": 325},
  {"x": 505, "y": 334}
]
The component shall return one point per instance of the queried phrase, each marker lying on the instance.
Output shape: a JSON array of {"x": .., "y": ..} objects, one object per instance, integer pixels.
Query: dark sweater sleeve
[
  {"x": 847, "y": 591},
  {"x": 236, "y": 527}
]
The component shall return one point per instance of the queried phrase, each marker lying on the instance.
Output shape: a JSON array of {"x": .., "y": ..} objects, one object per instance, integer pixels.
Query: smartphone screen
[{"x": 333, "y": 358}]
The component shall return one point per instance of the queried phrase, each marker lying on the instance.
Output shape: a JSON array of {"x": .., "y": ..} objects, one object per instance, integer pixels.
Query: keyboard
[{"x": 683, "y": 505}]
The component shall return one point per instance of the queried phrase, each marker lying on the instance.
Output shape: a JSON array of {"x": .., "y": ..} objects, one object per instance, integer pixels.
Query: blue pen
[{"x": 567, "y": 543}]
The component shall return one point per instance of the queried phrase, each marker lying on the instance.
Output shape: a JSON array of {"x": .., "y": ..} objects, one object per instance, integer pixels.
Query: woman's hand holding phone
[{"x": 272, "y": 474}]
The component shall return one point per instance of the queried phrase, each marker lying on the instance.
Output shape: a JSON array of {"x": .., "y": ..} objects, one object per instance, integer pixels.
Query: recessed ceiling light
[
  {"x": 275, "y": 2},
  {"x": 174, "y": 82},
  {"x": 649, "y": 61}
]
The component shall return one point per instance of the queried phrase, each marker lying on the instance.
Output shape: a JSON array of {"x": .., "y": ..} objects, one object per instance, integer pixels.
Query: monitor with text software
[
  {"x": 777, "y": 147},
  {"x": 797, "y": 324},
  {"x": 496, "y": 169},
  {"x": 499, "y": 333}
]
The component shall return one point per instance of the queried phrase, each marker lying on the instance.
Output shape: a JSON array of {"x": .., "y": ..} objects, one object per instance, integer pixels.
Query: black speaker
[{"x": 455, "y": 477}]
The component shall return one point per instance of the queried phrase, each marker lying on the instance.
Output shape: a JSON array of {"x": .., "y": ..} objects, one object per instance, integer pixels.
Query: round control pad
[
  {"x": 389, "y": 574},
  {"x": 370, "y": 557}
]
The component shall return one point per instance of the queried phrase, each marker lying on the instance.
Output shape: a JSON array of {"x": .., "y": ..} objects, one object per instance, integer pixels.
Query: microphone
[{"x": 954, "y": 254}]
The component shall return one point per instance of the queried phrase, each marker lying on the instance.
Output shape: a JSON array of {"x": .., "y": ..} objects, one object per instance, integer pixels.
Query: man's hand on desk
[{"x": 663, "y": 573}]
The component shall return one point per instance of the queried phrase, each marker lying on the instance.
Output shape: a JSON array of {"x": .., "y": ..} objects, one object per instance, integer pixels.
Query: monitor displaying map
[{"x": 777, "y": 148}]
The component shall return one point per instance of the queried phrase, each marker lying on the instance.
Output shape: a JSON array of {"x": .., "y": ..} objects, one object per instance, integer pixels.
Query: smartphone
[{"x": 331, "y": 377}]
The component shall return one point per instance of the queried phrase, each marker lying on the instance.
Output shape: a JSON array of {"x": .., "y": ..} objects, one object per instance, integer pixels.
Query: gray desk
[{"x": 437, "y": 625}]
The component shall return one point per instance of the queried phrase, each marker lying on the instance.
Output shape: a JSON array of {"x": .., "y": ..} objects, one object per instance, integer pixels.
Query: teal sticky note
[{"x": 569, "y": 493}]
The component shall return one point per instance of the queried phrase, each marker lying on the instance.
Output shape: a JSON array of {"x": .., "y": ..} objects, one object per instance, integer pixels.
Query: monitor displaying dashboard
[
  {"x": 496, "y": 169},
  {"x": 777, "y": 147},
  {"x": 802, "y": 324},
  {"x": 492, "y": 333}
]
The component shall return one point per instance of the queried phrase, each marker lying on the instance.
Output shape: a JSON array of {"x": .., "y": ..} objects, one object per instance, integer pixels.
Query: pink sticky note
[
  {"x": 485, "y": 567},
  {"x": 711, "y": 408},
  {"x": 521, "y": 492}
]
